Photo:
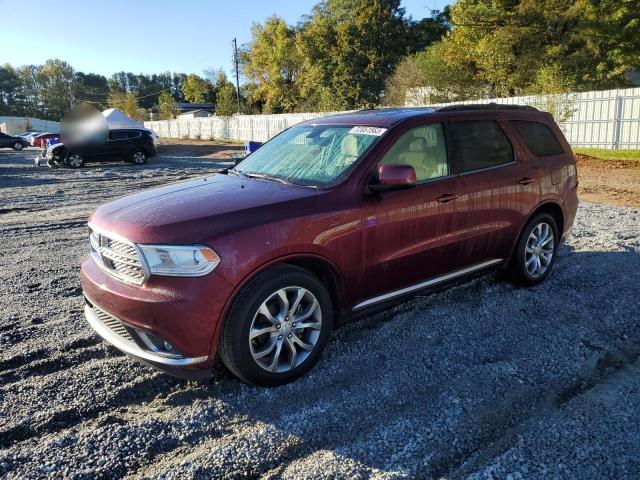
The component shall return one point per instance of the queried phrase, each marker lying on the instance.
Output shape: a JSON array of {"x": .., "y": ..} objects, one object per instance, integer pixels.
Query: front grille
[
  {"x": 120, "y": 259},
  {"x": 113, "y": 324}
]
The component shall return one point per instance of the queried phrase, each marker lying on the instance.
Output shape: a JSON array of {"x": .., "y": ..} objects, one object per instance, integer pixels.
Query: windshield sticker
[{"x": 376, "y": 131}]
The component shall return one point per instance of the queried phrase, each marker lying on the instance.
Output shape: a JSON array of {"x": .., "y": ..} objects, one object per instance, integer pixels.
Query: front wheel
[
  {"x": 18, "y": 146},
  {"x": 535, "y": 253},
  {"x": 278, "y": 327},
  {"x": 75, "y": 160}
]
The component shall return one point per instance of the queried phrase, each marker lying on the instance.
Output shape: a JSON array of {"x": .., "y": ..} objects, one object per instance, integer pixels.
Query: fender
[{"x": 337, "y": 273}]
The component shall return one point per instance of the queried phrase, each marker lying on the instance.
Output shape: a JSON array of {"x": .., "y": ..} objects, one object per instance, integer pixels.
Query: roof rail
[{"x": 484, "y": 106}]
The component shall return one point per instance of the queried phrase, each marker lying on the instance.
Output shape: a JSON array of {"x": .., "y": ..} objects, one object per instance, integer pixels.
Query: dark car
[
  {"x": 131, "y": 145},
  {"x": 329, "y": 218},
  {"x": 9, "y": 141}
]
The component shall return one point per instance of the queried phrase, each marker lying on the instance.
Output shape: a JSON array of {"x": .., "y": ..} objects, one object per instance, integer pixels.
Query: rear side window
[
  {"x": 538, "y": 138},
  {"x": 479, "y": 144}
]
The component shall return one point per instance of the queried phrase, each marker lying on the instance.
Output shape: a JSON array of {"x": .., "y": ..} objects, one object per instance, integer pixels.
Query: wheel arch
[
  {"x": 323, "y": 268},
  {"x": 552, "y": 208}
]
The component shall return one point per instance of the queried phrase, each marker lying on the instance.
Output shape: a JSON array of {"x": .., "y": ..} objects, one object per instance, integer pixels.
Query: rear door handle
[
  {"x": 447, "y": 197},
  {"x": 526, "y": 180}
]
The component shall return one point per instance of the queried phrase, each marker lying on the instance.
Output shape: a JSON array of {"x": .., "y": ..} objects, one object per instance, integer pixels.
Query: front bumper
[
  {"x": 184, "y": 312},
  {"x": 130, "y": 340}
]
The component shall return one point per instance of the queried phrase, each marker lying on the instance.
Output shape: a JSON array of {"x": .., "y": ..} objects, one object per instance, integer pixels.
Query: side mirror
[{"x": 394, "y": 177}]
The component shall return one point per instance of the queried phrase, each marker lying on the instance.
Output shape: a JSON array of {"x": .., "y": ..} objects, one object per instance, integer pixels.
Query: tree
[
  {"x": 226, "y": 104},
  {"x": 56, "y": 89},
  {"x": 349, "y": 48},
  {"x": 271, "y": 62},
  {"x": 9, "y": 83},
  {"x": 167, "y": 106},
  {"x": 196, "y": 90},
  {"x": 590, "y": 43},
  {"x": 126, "y": 103},
  {"x": 91, "y": 88}
]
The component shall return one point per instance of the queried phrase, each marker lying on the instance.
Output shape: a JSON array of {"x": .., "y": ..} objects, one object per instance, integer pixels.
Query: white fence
[
  {"x": 13, "y": 125},
  {"x": 259, "y": 128},
  {"x": 604, "y": 119}
]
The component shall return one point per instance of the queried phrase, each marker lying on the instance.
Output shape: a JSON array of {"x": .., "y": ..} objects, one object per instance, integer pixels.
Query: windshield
[{"x": 317, "y": 155}]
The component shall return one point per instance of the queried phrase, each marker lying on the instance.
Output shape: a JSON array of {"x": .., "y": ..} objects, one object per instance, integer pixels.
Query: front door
[{"x": 412, "y": 235}]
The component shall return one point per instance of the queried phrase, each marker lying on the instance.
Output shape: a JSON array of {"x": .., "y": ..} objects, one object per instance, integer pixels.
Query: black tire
[
  {"x": 74, "y": 160},
  {"x": 18, "y": 146},
  {"x": 138, "y": 156},
  {"x": 235, "y": 350},
  {"x": 518, "y": 272}
]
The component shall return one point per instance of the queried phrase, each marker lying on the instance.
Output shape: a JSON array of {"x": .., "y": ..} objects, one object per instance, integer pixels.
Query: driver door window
[{"x": 424, "y": 148}]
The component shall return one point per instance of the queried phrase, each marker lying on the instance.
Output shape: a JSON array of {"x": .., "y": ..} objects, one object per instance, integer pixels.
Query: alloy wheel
[
  {"x": 539, "y": 251},
  {"x": 139, "y": 157},
  {"x": 285, "y": 329},
  {"x": 75, "y": 161},
  {"x": 18, "y": 146}
]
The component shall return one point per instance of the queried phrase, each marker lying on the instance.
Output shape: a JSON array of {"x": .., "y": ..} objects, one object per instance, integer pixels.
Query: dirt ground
[
  {"x": 199, "y": 148},
  {"x": 614, "y": 182}
]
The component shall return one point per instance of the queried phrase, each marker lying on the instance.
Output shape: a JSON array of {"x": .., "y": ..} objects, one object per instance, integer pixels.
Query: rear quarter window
[{"x": 538, "y": 138}]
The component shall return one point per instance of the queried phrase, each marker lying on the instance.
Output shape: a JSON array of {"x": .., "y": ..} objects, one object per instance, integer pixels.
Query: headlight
[{"x": 179, "y": 261}]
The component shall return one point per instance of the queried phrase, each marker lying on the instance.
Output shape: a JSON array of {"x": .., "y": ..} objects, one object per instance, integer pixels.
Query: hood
[{"x": 198, "y": 210}]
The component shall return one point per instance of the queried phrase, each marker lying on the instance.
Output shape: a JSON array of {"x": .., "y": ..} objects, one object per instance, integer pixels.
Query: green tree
[
  {"x": 271, "y": 62},
  {"x": 56, "y": 89},
  {"x": 589, "y": 43},
  {"x": 167, "y": 106},
  {"x": 126, "y": 103},
  {"x": 9, "y": 83},
  {"x": 196, "y": 90},
  {"x": 226, "y": 102},
  {"x": 348, "y": 49}
]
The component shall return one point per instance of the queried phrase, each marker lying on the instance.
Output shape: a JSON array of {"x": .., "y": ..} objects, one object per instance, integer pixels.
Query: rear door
[
  {"x": 498, "y": 190},
  {"x": 116, "y": 145}
]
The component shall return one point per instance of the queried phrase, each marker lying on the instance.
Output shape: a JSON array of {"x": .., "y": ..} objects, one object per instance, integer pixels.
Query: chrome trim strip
[
  {"x": 134, "y": 350},
  {"x": 427, "y": 283}
]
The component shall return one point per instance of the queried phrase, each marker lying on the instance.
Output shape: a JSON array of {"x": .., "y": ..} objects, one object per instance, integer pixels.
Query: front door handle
[
  {"x": 447, "y": 197},
  {"x": 526, "y": 180}
]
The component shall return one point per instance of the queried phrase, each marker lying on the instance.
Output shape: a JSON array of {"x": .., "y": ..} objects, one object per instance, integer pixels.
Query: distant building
[
  {"x": 195, "y": 114},
  {"x": 185, "y": 107}
]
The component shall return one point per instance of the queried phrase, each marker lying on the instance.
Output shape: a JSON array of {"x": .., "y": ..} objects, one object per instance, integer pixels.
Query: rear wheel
[
  {"x": 18, "y": 146},
  {"x": 278, "y": 327},
  {"x": 139, "y": 157},
  {"x": 536, "y": 251},
  {"x": 75, "y": 160}
]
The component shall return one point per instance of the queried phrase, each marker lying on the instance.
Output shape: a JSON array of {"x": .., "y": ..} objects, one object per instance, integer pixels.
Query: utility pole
[{"x": 235, "y": 59}]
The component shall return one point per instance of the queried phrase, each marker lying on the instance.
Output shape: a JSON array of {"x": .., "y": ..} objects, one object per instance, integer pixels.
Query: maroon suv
[{"x": 258, "y": 263}]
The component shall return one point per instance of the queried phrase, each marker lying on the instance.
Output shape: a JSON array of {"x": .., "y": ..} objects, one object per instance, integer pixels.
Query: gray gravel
[{"x": 480, "y": 381}]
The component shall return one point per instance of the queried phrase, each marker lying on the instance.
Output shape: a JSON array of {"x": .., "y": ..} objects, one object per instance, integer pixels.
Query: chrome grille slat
[
  {"x": 118, "y": 258},
  {"x": 113, "y": 324}
]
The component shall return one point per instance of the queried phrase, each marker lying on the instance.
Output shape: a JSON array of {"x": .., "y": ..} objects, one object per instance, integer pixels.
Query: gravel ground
[{"x": 480, "y": 381}]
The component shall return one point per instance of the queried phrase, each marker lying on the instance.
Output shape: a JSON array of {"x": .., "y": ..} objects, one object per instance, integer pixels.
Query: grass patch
[{"x": 604, "y": 154}]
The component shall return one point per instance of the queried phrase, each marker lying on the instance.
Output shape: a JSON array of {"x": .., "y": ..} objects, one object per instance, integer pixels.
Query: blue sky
[{"x": 144, "y": 35}]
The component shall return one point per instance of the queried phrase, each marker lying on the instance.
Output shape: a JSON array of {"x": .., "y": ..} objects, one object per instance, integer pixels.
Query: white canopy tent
[{"x": 116, "y": 119}]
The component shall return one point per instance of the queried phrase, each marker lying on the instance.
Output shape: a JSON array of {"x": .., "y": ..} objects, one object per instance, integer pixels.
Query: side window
[
  {"x": 479, "y": 144},
  {"x": 117, "y": 135},
  {"x": 3, "y": 135},
  {"x": 133, "y": 134},
  {"x": 424, "y": 148},
  {"x": 538, "y": 138}
]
